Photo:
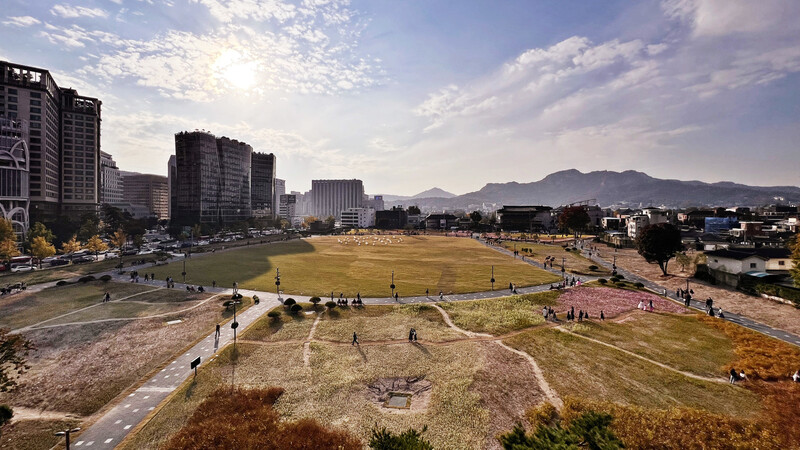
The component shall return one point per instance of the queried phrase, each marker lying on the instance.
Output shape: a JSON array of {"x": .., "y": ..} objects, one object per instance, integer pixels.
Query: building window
[
  {"x": 752, "y": 265},
  {"x": 781, "y": 263}
]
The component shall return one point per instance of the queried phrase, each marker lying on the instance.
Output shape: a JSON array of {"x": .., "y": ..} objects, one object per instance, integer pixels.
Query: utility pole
[
  {"x": 392, "y": 285},
  {"x": 66, "y": 433},
  {"x": 492, "y": 279},
  {"x": 184, "y": 269}
]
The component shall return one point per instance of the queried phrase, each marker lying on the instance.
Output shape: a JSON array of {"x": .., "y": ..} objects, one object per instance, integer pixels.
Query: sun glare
[{"x": 236, "y": 68}]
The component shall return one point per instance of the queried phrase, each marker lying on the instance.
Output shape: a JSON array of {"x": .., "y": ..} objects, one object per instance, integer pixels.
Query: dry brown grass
[
  {"x": 774, "y": 314},
  {"x": 383, "y": 323},
  {"x": 760, "y": 356},
  {"x": 244, "y": 419},
  {"x": 34, "y": 434}
]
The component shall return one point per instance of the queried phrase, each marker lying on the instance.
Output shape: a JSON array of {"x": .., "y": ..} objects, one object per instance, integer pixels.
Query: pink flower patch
[{"x": 611, "y": 301}]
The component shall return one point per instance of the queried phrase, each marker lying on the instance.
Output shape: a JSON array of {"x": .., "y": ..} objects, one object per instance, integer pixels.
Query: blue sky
[{"x": 407, "y": 95}]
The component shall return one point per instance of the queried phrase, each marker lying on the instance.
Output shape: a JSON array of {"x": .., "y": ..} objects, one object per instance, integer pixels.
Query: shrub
[
  {"x": 620, "y": 276},
  {"x": 274, "y": 314},
  {"x": 62, "y": 283},
  {"x": 315, "y": 300},
  {"x": 602, "y": 281},
  {"x": 236, "y": 296},
  {"x": 105, "y": 278},
  {"x": 296, "y": 308},
  {"x": 593, "y": 267},
  {"x": 639, "y": 285},
  {"x": 410, "y": 439},
  {"x": 6, "y": 413},
  {"x": 590, "y": 429},
  {"x": 289, "y": 302},
  {"x": 330, "y": 304},
  {"x": 252, "y": 423},
  {"x": 567, "y": 249},
  {"x": 86, "y": 278}
]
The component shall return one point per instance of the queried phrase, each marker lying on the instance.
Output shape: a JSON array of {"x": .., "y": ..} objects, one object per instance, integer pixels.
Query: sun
[{"x": 236, "y": 68}]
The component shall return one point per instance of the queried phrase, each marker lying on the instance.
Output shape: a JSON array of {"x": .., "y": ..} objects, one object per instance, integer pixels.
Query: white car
[{"x": 22, "y": 268}]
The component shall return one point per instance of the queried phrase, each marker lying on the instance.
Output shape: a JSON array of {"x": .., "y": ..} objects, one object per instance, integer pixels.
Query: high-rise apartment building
[
  {"x": 331, "y": 197},
  {"x": 262, "y": 184},
  {"x": 172, "y": 175},
  {"x": 14, "y": 174},
  {"x": 147, "y": 190},
  {"x": 110, "y": 180},
  {"x": 63, "y": 140},
  {"x": 212, "y": 181}
]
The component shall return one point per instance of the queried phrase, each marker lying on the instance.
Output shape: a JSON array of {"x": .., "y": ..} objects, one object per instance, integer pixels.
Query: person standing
[
  {"x": 441, "y": 296},
  {"x": 355, "y": 339},
  {"x": 602, "y": 316}
]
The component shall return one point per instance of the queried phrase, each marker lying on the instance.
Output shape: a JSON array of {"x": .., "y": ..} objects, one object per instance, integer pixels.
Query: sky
[{"x": 407, "y": 95}]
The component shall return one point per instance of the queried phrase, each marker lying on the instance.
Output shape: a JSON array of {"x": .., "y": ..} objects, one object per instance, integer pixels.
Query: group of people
[
  {"x": 737, "y": 376},
  {"x": 412, "y": 336},
  {"x": 344, "y": 301},
  {"x": 686, "y": 295},
  {"x": 192, "y": 289},
  {"x": 512, "y": 287},
  {"x": 645, "y": 306},
  {"x": 170, "y": 283},
  {"x": 106, "y": 297},
  {"x": 796, "y": 376},
  {"x": 581, "y": 315},
  {"x": 9, "y": 288}
]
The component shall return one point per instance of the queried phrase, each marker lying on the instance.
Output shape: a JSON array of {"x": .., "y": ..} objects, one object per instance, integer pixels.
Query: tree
[
  {"x": 41, "y": 249},
  {"x": 119, "y": 238},
  {"x": 476, "y": 217},
  {"x": 6, "y": 413},
  {"x": 6, "y": 229},
  {"x": 95, "y": 245},
  {"x": 410, "y": 439},
  {"x": 113, "y": 218},
  {"x": 574, "y": 219},
  {"x": 39, "y": 230},
  {"x": 331, "y": 221},
  {"x": 89, "y": 227},
  {"x": 8, "y": 249},
  {"x": 14, "y": 349},
  {"x": 683, "y": 259},
  {"x": 589, "y": 430},
  {"x": 308, "y": 221},
  {"x": 413, "y": 210},
  {"x": 795, "y": 270},
  {"x": 658, "y": 243},
  {"x": 71, "y": 246},
  {"x": 138, "y": 241}
]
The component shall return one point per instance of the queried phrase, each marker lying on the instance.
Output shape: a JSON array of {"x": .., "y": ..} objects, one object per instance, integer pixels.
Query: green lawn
[
  {"x": 318, "y": 266},
  {"x": 28, "y": 308},
  {"x": 576, "y": 367},
  {"x": 500, "y": 315},
  {"x": 679, "y": 341}
]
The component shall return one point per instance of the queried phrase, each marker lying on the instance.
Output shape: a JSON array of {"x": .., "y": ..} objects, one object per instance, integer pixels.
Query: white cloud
[
  {"x": 72, "y": 12},
  {"x": 22, "y": 21},
  {"x": 709, "y": 18}
]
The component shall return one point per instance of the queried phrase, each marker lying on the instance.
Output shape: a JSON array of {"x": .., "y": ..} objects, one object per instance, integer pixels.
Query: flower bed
[{"x": 611, "y": 301}]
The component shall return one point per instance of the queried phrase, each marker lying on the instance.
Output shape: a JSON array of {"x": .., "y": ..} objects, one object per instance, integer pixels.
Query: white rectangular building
[{"x": 358, "y": 218}]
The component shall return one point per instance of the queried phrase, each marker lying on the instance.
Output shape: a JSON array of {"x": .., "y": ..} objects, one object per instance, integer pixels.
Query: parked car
[
  {"x": 59, "y": 262},
  {"x": 129, "y": 252},
  {"x": 111, "y": 255},
  {"x": 82, "y": 259},
  {"x": 22, "y": 268},
  {"x": 49, "y": 260}
]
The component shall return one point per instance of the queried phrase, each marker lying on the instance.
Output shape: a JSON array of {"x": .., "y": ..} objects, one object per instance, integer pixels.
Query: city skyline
[{"x": 686, "y": 89}]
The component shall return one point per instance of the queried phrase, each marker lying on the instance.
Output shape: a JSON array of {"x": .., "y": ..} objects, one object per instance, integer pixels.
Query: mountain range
[{"x": 607, "y": 188}]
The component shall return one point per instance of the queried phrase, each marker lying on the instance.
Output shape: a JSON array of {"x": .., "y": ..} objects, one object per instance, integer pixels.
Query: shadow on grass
[
  {"x": 361, "y": 352},
  {"x": 422, "y": 349}
]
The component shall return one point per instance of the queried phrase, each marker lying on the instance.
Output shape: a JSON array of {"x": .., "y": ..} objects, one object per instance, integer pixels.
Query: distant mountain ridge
[
  {"x": 611, "y": 188},
  {"x": 434, "y": 192}
]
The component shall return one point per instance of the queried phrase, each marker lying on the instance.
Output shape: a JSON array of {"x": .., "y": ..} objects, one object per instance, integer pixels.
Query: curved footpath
[{"x": 111, "y": 428}]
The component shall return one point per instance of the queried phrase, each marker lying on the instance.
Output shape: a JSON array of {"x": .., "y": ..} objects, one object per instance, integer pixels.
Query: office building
[
  {"x": 63, "y": 141},
  {"x": 172, "y": 175},
  {"x": 212, "y": 179},
  {"x": 525, "y": 218},
  {"x": 287, "y": 206},
  {"x": 358, "y": 218},
  {"x": 375, "y": 202},
  {"x": 14, "y": 175},
  {"x": 331, "y": 197},
  {"x": 110, "y": 180},
  {"x": 262, "y": 184},
  {"x": 391, "y": 219},
  {"x": 147, "y": 190}
]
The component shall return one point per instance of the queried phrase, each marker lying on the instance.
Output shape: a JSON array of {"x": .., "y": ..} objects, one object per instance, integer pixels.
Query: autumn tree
[
  {"x": 95, "y": 245},
  {"x": 331, "y": 221},
  {"x": 658, "y": 243},
  {"x": 39, "y": 230},
  {"x": 795, "y": 270},
  {"x": 119, "y": 238},
  {"x": 71, "y": 246},
  {"x": 6, "y": 229},
  {"x": 8, "y": 249},
  {"x": 41, "y": 249},
  {"x": 574, "y": 218},
  {"x": 308, "y": 221}
]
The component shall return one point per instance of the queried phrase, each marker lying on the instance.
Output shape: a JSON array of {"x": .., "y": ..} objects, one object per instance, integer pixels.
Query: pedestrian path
[{"x": 115, "y": 424}]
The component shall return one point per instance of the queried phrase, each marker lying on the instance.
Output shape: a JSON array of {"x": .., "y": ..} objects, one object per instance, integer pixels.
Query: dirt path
[
  {"x": 550, "y": 393},
  {"x": 627, "y": 352},
  {"x": 22, "y": 413},
  {"x": 307, "y": 343}
]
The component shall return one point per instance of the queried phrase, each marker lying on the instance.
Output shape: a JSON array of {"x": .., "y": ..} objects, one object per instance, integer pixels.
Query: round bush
[
  {"x": 62, "y": 283},
  {"x": 639, "y": 285},
  {"x": 330, "y": 304},
  {"x": 602, "y": 281},
  {"x": 105, "y": 278},
  {"x": 289, "y": 302},
  {"x": 315, "y": 300},
  {"x": 296, "y": 308},
  {"x": 236, "y": 296},
  {"x": 593, "y": 267},
  {"x": 620, "y": 276},
  {"x": 86, "y": 279},
  {"x": 274, "y": 314}
]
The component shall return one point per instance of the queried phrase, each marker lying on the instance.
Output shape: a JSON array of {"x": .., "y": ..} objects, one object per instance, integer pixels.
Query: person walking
[
  {"x": 427, "y": 294},
  {"x": 415, "y": 334},
  {"x": 213, "y": 283},
  {"x": 217, "y": 333},
  {"x": 410, "y": 335},
  {"x": 441, "y": 296},
  {"x": 651, "y": 305},
  {"x": 355, "y": 339},
  {"x": 602, "y": 316},
  {"x": 107, "y": 298},
  {"x": 396, "y": 296}
]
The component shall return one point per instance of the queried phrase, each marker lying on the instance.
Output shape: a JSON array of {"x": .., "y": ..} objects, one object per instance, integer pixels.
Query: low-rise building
[
  {"x": 358, "y": 218},
  {"x": 636, "y": 224},
  {"x": 391, "y": 219},
  {"x": 441, "y": 221},
  {"x": 525, "y": 218}
]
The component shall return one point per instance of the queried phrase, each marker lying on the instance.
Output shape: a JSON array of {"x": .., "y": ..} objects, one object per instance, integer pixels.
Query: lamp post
[
  {"x": 564, "y": 267},
  {"x": 492, "y": 279},
  {"x": 66, "y": 433},
  {"x": 614, "y": 264},
  {"x": 235, "y": 324},
  {"x": 278, "y": 283},
  {"x": 184, "y": 269},
  {"x": 392, "y": 285}
]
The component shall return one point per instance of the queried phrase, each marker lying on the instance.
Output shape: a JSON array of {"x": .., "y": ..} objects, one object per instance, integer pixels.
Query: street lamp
[
  {"x": 492, "y": 279},
  {"x": 564, "y": 267},
  {"x": 614, "y": 265},
  {"x": 184, "y": 269},
  {"x": 235, "y": 324},
  {"x": 392, "y": 285},
  {"x": 66, "y": 433}
]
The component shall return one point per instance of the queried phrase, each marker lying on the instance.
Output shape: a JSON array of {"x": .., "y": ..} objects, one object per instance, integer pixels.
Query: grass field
[
  {"x": 319, "y": 266},
  {"x": 500, "y": 316},
  {"x": 575, "y": 263},
  {"x": 27, "y": 308}
]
